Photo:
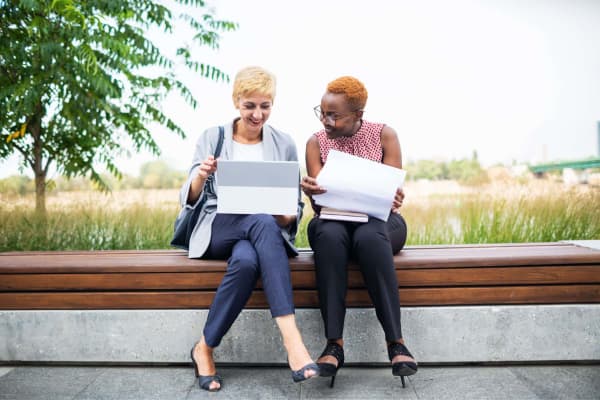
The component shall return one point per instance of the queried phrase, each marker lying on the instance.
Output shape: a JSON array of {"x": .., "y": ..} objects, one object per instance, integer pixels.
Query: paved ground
[{"x": 504, "y": 382}]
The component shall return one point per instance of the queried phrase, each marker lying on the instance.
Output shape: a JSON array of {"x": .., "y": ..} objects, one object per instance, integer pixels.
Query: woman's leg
[
  {"x": 262, "y": 231},
  {"x": 372, "y": 249},
  {"x": 298, "y": 356},
  {"x": 397, "y": 231},
  {"x": 233, "y": 291},
  {"x": 264, "y": 234},
  {"x": 330, "y": 241},
  {"x": 373, "y": 244}
]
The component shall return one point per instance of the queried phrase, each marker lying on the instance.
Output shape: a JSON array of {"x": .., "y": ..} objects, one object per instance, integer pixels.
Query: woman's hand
[
  {"x": 398, "y": 199},
  {"x": 284, "y": 220},
  {"x": 310, "y": 186},
  {"x": 207, "y": 167}
]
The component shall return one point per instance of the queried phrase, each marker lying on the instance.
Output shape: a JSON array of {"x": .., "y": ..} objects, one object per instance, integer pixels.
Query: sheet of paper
[{"x": 357, "y": 184}]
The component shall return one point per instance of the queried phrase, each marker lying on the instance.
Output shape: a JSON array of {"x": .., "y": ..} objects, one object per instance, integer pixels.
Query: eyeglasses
[{"x": 333, "y": 116}]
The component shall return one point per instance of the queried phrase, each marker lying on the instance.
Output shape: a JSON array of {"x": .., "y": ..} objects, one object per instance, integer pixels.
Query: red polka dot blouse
[{"x": 365, "y": 143}]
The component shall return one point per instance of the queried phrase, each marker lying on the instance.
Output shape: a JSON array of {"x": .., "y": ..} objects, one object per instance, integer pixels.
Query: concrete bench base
[{"x": 536, "y": 333}]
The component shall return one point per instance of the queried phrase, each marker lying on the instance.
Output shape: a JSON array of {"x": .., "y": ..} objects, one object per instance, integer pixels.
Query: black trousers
[{"x": 372, "y": 245}]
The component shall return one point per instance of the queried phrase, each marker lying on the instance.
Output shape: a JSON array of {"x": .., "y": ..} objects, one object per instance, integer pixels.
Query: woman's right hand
[
  {"x": 207, "y": 167},
  {"x": 310, "y": 186}
]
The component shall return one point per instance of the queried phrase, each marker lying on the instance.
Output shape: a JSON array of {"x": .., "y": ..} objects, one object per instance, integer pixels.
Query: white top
[{"x": 247, "y": 152}]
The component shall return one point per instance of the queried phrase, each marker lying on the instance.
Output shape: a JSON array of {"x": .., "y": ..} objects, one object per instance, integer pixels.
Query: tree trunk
[
  {"x": 35, "y": 126},
  {"x": 40, "y": 193}
]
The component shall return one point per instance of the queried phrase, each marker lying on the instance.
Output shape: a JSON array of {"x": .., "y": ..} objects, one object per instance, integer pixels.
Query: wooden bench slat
[
  {"x": 542, "y": 294},
  {"x": 177, "y": 261},
  {"x": 302, "y": 279},
  {"x": 171, "y": 251},
  {"x": 525, "y": 273}
]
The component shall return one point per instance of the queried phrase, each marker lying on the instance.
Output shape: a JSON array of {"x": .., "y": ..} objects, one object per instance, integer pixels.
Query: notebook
[
  {"x": 257, "y": 187},
  {"x": 342, "y": 215}
]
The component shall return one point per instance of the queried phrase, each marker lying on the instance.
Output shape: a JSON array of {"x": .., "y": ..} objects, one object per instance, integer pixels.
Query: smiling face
[
  {"x": 253, "y": 95},
  {"x": 255, "y": 109},
  {"x": 338, "y": 117}
]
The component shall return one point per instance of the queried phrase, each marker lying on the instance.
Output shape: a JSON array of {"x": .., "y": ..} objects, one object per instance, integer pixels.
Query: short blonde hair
[
  {"x": 353, "y": 90},
  {"x": 252, "y": 80}
]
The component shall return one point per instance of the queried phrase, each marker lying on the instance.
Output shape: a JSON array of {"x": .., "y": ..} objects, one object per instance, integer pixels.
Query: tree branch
[
  {"x": 25, "y": 155},
  {"x": 50, "y": 159},
  {"x": 6, "y": 72}
]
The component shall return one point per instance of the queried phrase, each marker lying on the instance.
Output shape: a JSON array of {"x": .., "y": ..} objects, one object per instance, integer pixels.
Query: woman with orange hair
[{"x": 372, "y": 244}]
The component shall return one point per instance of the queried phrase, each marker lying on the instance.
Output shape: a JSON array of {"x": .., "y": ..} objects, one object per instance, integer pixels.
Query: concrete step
[{"x": 538, "y": 333}]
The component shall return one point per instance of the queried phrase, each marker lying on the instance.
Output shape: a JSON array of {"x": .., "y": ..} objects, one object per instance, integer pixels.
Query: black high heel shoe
[
  {"x": 298, "y": 376},
  {"x": 327, "y": 369},
  {"x": 401, "y": 368},
  {"x": 204, "y": 381}
]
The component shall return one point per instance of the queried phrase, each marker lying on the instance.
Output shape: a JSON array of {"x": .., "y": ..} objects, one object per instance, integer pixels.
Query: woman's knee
[
  {"x": 370, "y": 237},
  {"x": 264, "y": 222},
  {"x": 397, "y": 232},
  {"x": 243, "y": 260},
  {"x": 246, "y": 267},
  {"x": 326, "y": 232}
]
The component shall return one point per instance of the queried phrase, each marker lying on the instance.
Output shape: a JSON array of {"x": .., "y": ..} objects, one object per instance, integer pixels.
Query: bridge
[{"x": 582, "y": 164}]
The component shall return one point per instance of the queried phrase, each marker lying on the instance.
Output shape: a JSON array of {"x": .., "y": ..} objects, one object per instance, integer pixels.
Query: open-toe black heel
[
  {"x": 298, "y": 376},
  {"x": 204, "y": 381},
  {"x": 327, "y": 369},
  {"x": 401, "y": 368}
]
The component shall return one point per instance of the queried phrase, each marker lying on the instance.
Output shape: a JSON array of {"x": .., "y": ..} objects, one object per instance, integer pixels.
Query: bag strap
[
  {"x": 220, "y": 142},
  {"x": 210, "y": 181}
]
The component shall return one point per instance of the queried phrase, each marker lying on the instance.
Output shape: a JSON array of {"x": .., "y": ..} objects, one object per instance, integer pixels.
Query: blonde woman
[{"x": 256, "y": 246}]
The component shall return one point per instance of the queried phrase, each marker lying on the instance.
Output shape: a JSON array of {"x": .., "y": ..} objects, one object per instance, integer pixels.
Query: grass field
[{"x": 436, "y": 213}]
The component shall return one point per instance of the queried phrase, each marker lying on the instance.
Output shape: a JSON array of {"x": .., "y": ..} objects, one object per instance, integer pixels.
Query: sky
[{"x": 515, "y": 80}]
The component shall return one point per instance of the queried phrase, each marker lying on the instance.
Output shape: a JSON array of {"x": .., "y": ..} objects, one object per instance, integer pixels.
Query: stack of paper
[
  {"x": 357, "y": 184},
  {"x": 341, "y": 215}
]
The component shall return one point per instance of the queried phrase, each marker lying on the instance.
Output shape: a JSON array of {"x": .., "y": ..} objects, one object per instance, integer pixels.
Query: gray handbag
[{"x": 188, "y": 217}]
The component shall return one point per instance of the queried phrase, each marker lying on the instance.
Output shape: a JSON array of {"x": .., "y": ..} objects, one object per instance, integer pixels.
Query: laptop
[{"x": 257, "y": 187}]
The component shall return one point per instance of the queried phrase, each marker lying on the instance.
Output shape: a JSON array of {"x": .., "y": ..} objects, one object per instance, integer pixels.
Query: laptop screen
[{"x": 257, "y": 187}]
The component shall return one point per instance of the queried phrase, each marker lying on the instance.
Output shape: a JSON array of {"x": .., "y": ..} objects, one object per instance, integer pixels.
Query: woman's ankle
[
  {"x": 400, "y": 340},
  {"x": 203, "y": 348},
  {"x": 295, "y": 346}
]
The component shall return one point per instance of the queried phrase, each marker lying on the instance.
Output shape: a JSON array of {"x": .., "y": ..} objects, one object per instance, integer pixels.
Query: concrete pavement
[{"x": 178, "y": 382}]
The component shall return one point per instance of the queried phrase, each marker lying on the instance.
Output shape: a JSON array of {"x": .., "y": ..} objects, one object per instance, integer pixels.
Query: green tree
[
  {"x": 159, "y": 175},
  {"x": 80, "y": 80},
  {"x": 16, "y": 185},
  {"x": 427, "y": 169},
  {"x": 467, "y": 171}
]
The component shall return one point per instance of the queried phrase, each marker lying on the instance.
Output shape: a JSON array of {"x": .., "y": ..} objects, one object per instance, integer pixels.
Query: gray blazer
[{"x": 277, "y": 146}]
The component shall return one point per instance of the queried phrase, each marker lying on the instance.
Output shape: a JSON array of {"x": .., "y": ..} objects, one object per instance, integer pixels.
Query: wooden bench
[{"x": 532, "y": 273}]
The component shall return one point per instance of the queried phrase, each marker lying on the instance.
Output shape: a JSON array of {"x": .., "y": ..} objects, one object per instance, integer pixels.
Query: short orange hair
[{"x": 353, "y": 89}]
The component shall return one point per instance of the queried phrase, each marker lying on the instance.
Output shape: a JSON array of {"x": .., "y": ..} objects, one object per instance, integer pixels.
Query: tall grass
[
  {"x": 90, "y": 221},
  {"x": 514, "y": 214},
  {"x": 139, "y": 227},
  {"x": 539, "y": 212}
]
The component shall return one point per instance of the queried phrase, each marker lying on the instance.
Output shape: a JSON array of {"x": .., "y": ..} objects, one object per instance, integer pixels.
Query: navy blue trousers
[
  {"x": 372, "y": 245},
  {"x": 254, "y": 248}
]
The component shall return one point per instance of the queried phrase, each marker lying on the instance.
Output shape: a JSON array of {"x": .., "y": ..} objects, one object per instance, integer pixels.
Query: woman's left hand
[{"x": 398, "y": 199}]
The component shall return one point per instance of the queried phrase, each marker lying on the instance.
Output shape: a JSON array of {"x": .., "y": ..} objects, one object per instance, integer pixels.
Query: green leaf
[{"x": 74, "y": 71}]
